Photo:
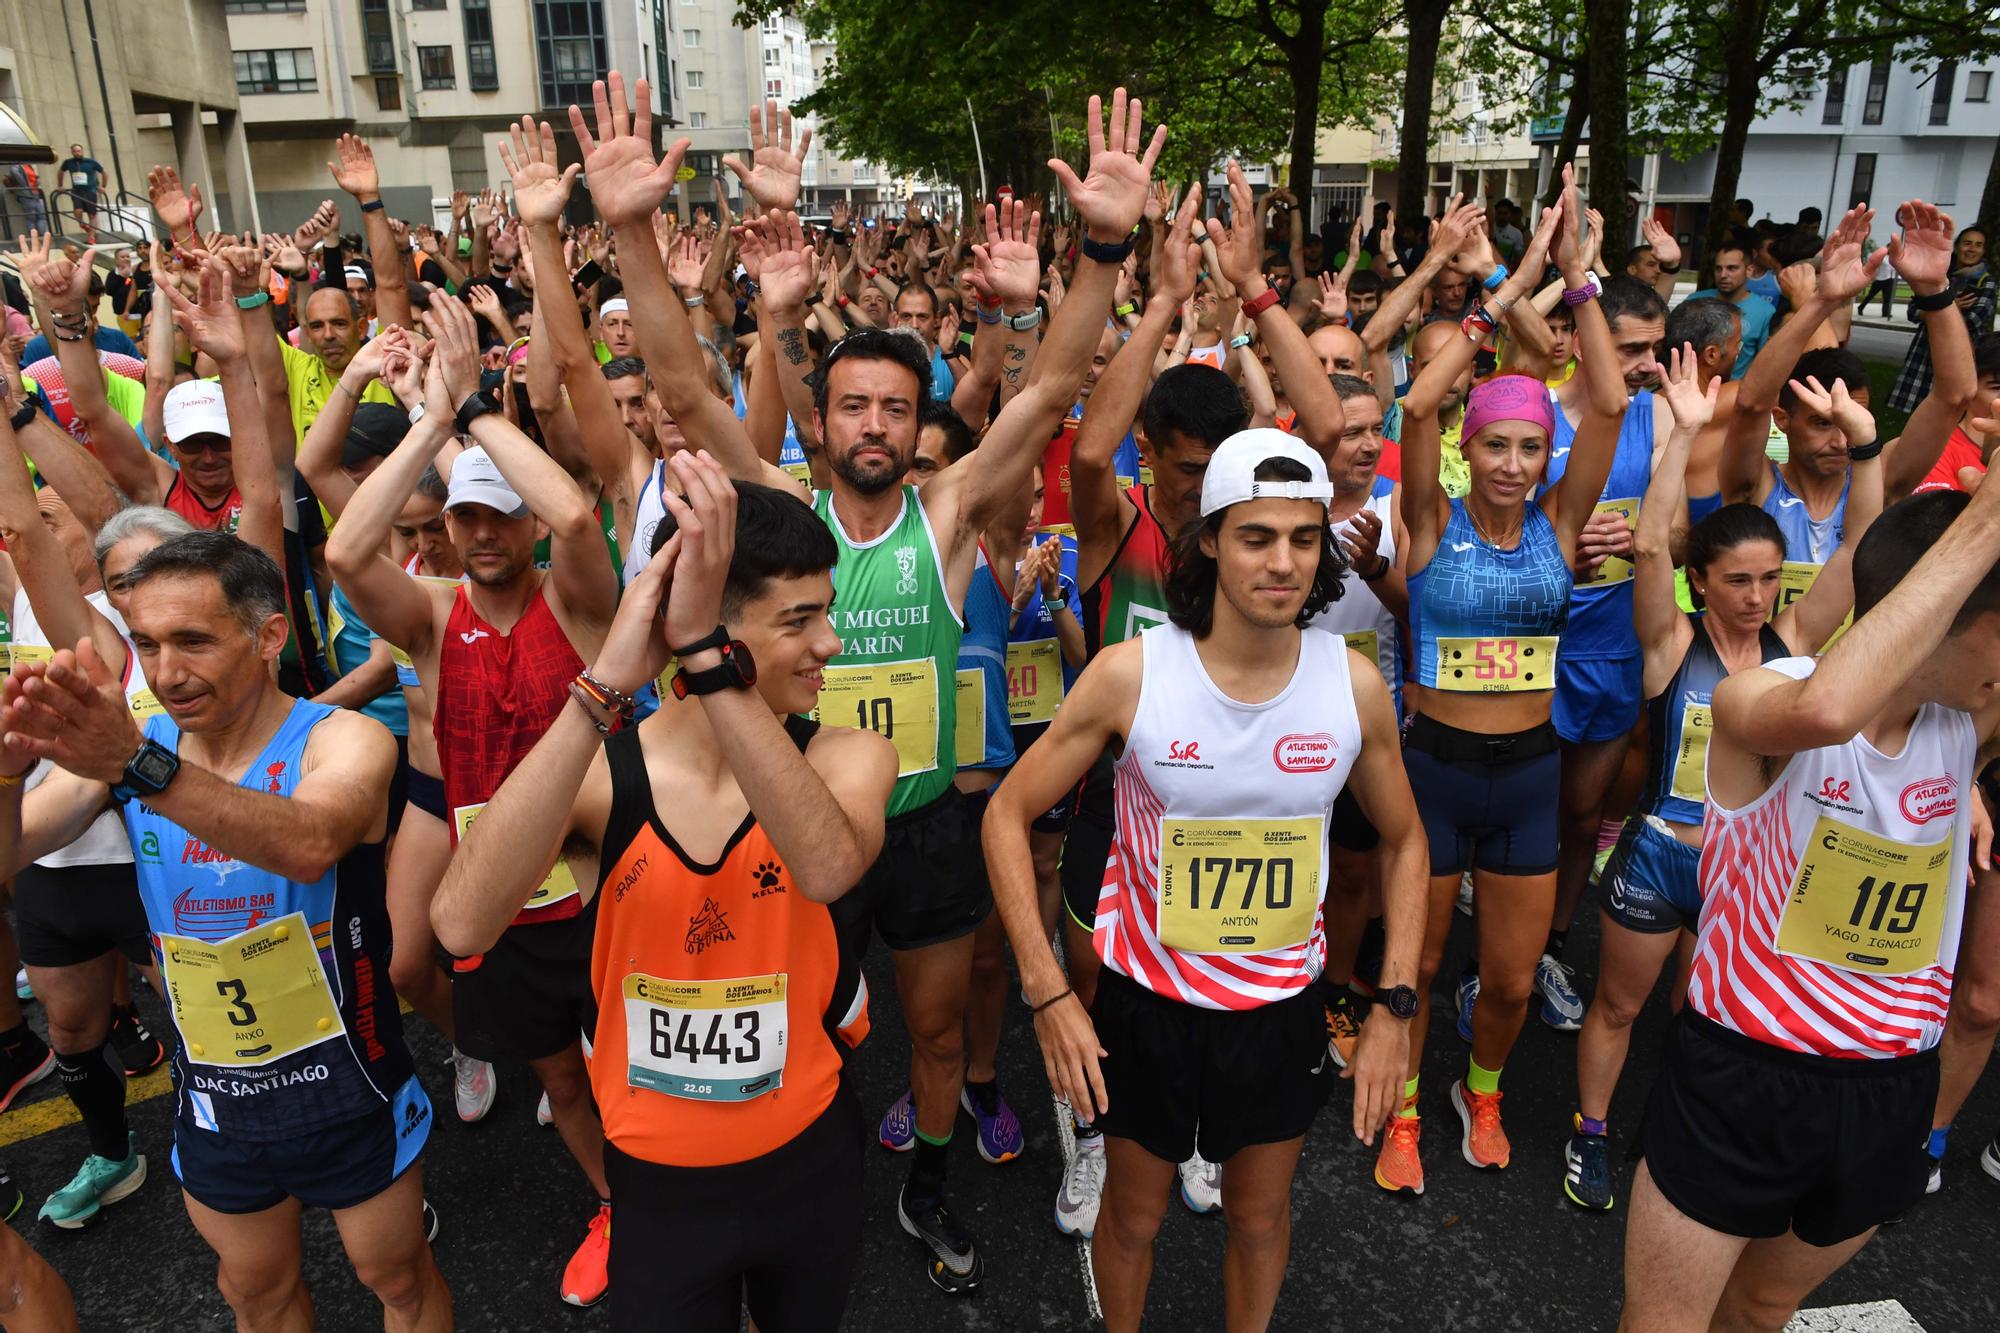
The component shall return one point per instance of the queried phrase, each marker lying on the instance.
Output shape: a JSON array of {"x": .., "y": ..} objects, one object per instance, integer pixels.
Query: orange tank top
[{"x": 725, "y": 1003}]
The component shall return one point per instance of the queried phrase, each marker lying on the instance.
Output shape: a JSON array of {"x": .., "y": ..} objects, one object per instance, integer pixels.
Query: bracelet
[
  {"x": 1861, "y": 453},
  {"x": 1025, "y": 321},
  {"x": 1579, "y": 295},
  {"x": 252, "y": 301},
  {"x": 20, "y": 778},
  {"x": 813, "y": 298},
  {"x": 872, "y": 271},
  {"x": 615, "y": 700},
  {"x": 583, "y": 698},
  {"x": 1941, "y": 299},
  {"x": 1103, "y": 253},
  {"x": 981, "y": 313},
  {"x": 416, "y": 414},
  {"x": 1057, "y": 998},
  {"x": 842, "y": 301},
  {"x": 1240, "y": 340},
  {"x": 694, "y": 302},
  {"x": 837, "y": 236},
  {"x": 1495, "y": 278},
  {"x": 372, "y": 206},
  {"x": 1123, "y": 310},
  {"x": 1670, "y": 268},
  {"x": 24, "y": 416},
  {"x": 1381, "y": 569},
  {"x": 63, "y": 336},
  {"x": 1477, "y": 325},
  {"x": 1258, "y": 304}
]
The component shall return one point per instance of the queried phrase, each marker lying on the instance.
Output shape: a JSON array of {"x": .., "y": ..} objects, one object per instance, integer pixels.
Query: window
[
  {"x": 694, "y": 80},
  {"x": 1863, "y": 183},
  {"x": 1836, "y": 97},
  {"x": 690, "y": 38},
  {"x": 771, "y": 23},
  {"x": 388, "y": 92},
  {"x": 262, "y": 6},
  {"x": 774, "y": 88},
  {"x": 1878, "y": 93},
  {"x": 697, "y": 120},
  {"x": 772, "y": 55},
  {"x": 377, "y": 36},
  {"x": 570, "y": 47},
  {"x": 1942, "y": 84},
  {"x": 665, "y": 76},
  {"x": 426, "y": 4},
  {"x": 481, "y": 71},
  {"x": 284, "y": 71},
  {"x": 1978, "y": 85},
  {"x": 434, "y": 63}
]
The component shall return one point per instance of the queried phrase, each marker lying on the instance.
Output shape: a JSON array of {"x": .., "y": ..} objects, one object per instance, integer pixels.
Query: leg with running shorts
[
  {"x": 1257, "y": 1203},
  {"x": 258, "y": 1268},
  {"x": 1675, "y": 1268},
  {"x": 384, "y": 1239}
]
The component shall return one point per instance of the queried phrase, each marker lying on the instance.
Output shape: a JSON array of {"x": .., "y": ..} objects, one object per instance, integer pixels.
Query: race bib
[
  {"x": 1034, "y": 681},
  {"x": 80, "y": 180},
  {"x": 969, "y": 731},
  {"x": 1239, "y": 885},
  {"x": 1496, "y": 666},
  {"x": 1866, "y": 904},
  {"x": 1616, "y": 569},
  {"x": 1691, "y": 756},
  {"x": 252, "y": 998},
  {"x": 801, "y": 472},
  {"x": 560, "y": 884},
  {"x": 1145, "y": 474},
  {"x": 897, "y": 699},
  {"x": 335, "y": 623},
  {"x": 1364, "y": 641},
  {"x": 145, "y": 704},
  {"x": 708, "y": 1041},
  {"x": 1794, "y": 577},
  {"x": 21, "y": 654}
]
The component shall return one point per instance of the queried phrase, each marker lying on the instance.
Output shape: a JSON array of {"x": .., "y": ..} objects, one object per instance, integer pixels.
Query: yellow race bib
[
  {"x": 710, "y": 1041},
  {"x": 897, "y": 699},
  {"x": 1866, "y": 904},
  {"x": 252, "y": 998},
  {"x": 1616, "y": 569},
  {"x": 969, "y": 730},
  {"x": 1691, "y": 756},
  {"x": 1794, "y": 577},
  {"x": 1239, "y": 885},
  {"x": 1034, "y": 681},
  {"x": 21, "y": 654},
  {"x": 561, "y": 882},
  {"x": 1364, "y": 641},
  {"x": 1496, "y": 666}
]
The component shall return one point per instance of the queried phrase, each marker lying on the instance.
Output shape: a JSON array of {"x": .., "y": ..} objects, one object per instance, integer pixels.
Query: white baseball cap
[
  {"x": 194, "y": 408},
  {"x": 614, "y": 306},
  {"x": 476, "y": 480},
  {"x": 1232, "y": 470}
]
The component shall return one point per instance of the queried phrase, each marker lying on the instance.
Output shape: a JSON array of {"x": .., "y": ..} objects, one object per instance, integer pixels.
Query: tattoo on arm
[
  {"x": 1017, "y": 357},
  {"x": 793, "y": 343}
]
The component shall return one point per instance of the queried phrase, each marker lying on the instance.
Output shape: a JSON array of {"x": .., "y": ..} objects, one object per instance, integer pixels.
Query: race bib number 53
[
  {"x": 1866, "y": 904},
  {"x": 252, "y": 998},
  {"x": 1496, "y": 666},
  {"x": 1239, "y": 885},
  {"x": 709, "y": 1041}
]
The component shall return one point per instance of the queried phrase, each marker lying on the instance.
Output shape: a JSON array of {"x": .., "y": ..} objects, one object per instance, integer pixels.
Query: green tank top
[{"x": 897, "y": 668}]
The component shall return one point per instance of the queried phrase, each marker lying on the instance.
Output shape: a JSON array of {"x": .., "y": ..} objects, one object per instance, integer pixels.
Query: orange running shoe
[
  {"x": 1397, "y": 1166},
  {"x": 1484, "y": 1143},
  {"x": 1342, "y": 1032},
  {"x": 586, "y": 1276}
]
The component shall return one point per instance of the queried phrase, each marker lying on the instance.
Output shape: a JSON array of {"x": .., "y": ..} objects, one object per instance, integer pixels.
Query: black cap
[{"x": 377, "y": 429}]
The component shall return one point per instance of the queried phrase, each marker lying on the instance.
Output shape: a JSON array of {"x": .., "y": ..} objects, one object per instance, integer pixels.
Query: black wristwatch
[
  {"x": 1400, "y": 1001},
  {"x": 24, "y": 415},
  {"x": 474, "y": 407},
  {"x": 736, "y": 671},
  {"x": 148, "y": 772}
]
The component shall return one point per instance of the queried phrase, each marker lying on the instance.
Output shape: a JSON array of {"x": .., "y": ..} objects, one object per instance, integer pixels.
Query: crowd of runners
[{"x": 590, "y": 639}]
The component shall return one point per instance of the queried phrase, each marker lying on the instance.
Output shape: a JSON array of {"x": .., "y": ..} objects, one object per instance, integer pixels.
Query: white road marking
[{"x": 1872, "y": 1317}]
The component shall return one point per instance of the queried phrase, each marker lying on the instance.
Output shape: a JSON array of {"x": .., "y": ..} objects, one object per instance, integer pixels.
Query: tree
[
  {"x": 1423, "y": 29},
  {"x": 1989, "y": 201}
]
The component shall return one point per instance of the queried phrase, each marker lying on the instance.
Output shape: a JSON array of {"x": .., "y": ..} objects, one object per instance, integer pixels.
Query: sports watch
[
  {"x": 736, "y": 671},
  {"x": 148, "y": 772},
  {"x": 1401, "y": 1001}
]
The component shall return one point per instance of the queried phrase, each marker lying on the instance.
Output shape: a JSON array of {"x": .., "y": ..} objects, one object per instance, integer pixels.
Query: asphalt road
[{"x": 1477, "y": 1251}]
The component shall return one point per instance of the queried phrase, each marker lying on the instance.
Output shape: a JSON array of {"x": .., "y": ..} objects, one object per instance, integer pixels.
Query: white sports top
[
  {"x": 1212, "y": 892},
  {"x": 646, "y": 516},
  {"x": 1831, "y": 904},
  {"x": 1359, "y": 616}
]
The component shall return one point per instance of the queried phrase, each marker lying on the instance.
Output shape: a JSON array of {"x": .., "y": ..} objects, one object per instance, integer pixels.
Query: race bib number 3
[
  {"x": 1496, "y": 666},
  {"x": 1239, "y": 885},
  {"x": 969, "y": 719},
  {"x": 1034, "y": 681},
  {"x": 561, "y": 882},
  {"x": 1691, "y": 756},
  {"x": 252, "y": 998},
  {"x": 709, "y": 1041},
  {"x": 1616, "y": 569},
  {"x": 897, "y": 699},
  {"x": 1865, "y": 904}
]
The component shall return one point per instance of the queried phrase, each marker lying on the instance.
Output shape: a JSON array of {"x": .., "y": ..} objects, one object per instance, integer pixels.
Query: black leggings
[{"x": 691, "y": 1245}]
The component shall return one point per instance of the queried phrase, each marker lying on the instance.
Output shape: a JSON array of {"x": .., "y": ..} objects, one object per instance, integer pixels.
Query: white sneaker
[
  {"x": 543, "y": 1116},
  {"x": 1465, "y": 894},
  {"x": 1082, "y": 1192},
  {"x": 472, "y": 1086},
  {"x": 1201, "y": 1184}
]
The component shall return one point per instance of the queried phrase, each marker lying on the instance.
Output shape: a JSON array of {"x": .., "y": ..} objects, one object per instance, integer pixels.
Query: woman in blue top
[
  {"x": 1735, "y": 564},
  {"x": 1490, "y": 584}
]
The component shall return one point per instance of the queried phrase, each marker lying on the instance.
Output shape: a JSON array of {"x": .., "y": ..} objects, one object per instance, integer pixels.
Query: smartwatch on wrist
[
  {"x": 469, "y": 411},
  {"x": 1400, "y": 1001},
  {"x": 24, "y": 415},
  {"x": 147, "y": 773},
  {"x": 736, "y": 671}
]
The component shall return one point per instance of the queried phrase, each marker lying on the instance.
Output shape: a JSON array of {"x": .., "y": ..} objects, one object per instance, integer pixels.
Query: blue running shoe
[
  {"x": 1468, "y": 995},
  {"x": 1587, "y": 1174},
  {"x": 1000, "y": 1136},
  {"x": 898, "y": 1130},
  {"x": 1562, "y": 1007}
]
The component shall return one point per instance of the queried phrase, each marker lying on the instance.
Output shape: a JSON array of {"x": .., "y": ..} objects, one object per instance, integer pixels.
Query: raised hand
[
  {"x": 1008, "y": 266},
  {"x": 777, "y": 164},
  {"x": 245, "y": 262},
  {"x": 626, "y": 184},
  {"x": 1680, "y": 384},
  {"x": 1844, "y": 271},
  {"x": 1854, "y": 421},
  {"x": 689, "y": 262},
  {"x": 1055, "y": 289},
  {"x": 210, "y": 320},
  {"x": 355, "y": 170},
  {"x": 34, "y": 250},
  {"x": 1922, "y": 254},
  {"x": 1535, "y": 259},
  {"x": 324, "y": 219},
  {"x": 1572, "y": 246},
  {"x": 1239, "y": 247},
  {"x": 1665, "y": 248},
  {"x": 1177, "y": 257},
  {"x": 1159, "y": 197},
  {"x": 706, "y": 529},
  {"x": 1593, "y": 245},
  {"x": 178, "y": 208},
  {"x": 1111, "y": 198},
  {"x": 455, "y": 347},
  {"x": 541, "y": 188},
  {"x": 787, "y": 262},
  {"x": 62, "y": 284},
  {"x": 837, "y": 215}
]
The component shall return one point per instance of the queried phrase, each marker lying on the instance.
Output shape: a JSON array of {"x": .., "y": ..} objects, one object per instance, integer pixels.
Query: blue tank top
[
  {"x": 349, "y": 641},
  {"x": 985, "y": 732},
  {"x": 1701, "y": 506},
  {"x": 1680, "y": 725},
  {"x": 1474, "y": 590},
  {"x": 1809, "y": 542},
  {"x": 279, "y": 990},
  {"x": 1600, "y": 612},
  {"x": 1038, "y": 675}
]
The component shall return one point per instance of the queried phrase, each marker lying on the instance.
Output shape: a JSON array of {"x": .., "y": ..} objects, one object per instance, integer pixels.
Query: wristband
[
  {"x": 252, "y": 301},
  {"x": 1941, "y": 299},
  {"x": 1381, "y": 569},
  {"x": 694, "y": 302},
  {"x": 1240, "y": 340},
  {"x": 24, "y": 416},
  {"x": 1579, "y": 295},
  {"x": 1054, "y": 1000},
  {"x": 584, "y": 699},
  {"x": 715, "y": 638},
  {"x": 416, "y": 414},
  {"x": 1861, "y": 453},
  {"x": 1495, "y": 278},
  {"x": 1670, "y": 268},
  {"x": 981, "y": 313},
  {"x": 842, "y": 301},
  {"x": 836, "y": 236},
  {"x": 872, "y": 272},
  {"x": 1258, "y": 304},
  {"x": 1023, "y": 322},
  {"x": 1103, "y": 253},
  {"x": 813, "y": 298},
  {"x": 372, "y": 206},
  {"x": 469, "y": 411},
  {"x": 14, "y": 781},
  {"x": 1123, "y": 310}
]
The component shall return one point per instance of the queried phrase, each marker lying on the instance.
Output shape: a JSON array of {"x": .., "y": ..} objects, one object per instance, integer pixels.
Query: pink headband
[{"x": 1508, "y": 398}]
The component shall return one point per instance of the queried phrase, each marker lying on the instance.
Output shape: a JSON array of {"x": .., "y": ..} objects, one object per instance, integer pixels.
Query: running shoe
[
  {"x": 543, "y": 1115},
  {"x": 11, "y": 1197},
  {"x": 99, "y": 1182},
  {"x": 1562, "y": 1007},
  {"x": 1587, "y": 1179},
  {"x": 138, "y": 1049},
  {"x": 585, "y": 1277},
  {"x": 22, "y": 990},
  {"x": 1466, "y": 997},
  {"x": 1082, "y": 1192},
  {"x": 1936, "y": 1180},
  {"x": 1000, "y": 1136},
  {"x": 473, "y": 1087},
  {"x": 1989, "y": 1158},
  {"x": 1398, "y": 1165},
  {"x": 27, "y": 1062},
  {"x": 898, "y": 1130},
  {"x": 1342, "y": 1031},
  {"x": 1201, "y": 1184},
  {"x": 1484, "y": 1143},
  {"x": 951, "y": 1258},
  {"x": 1465, "y": 894},
  {"x": 430, "y": 1223}
]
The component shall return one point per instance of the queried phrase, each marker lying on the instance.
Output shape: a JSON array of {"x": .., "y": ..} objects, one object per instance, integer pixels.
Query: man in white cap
[
  {"x": 497, "y": 655},
  {"x": 1238, "y": 732},
  {"x": 615, "y": 332}
]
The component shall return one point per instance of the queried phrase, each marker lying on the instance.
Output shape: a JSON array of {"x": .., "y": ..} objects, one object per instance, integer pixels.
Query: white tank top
[
  {"x": 1212, "y": 892},
  {"x": 104, "y": 842},
  {"x": 1831, "y": 904},
  {"x": 646, "y": 516},
  {"x": 1359, "y": 616}
]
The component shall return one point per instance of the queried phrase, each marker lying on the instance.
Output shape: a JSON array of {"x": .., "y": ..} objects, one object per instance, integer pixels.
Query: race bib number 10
[
  {"x": 252, "y": 998},
  {"x": 1866, "y": 904},
  {"x": 709, "y": 1041},
  {"x": 897, "y": 699},
  {"x": 1239, "y": 885},
  {"x": 1496, "y": 666}
]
